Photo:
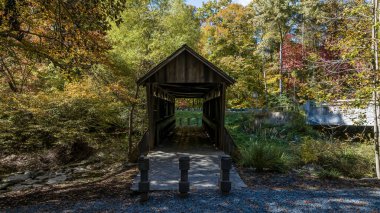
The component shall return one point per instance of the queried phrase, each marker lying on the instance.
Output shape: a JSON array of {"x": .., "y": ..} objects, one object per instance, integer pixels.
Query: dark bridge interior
[{"x": 185, "y": 74}]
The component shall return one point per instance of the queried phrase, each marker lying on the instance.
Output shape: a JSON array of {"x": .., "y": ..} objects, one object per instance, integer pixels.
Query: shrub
[
  {"x": 298, "y": 144},
  {"x": 282, "y": 101},
  {"x": 310, "y": 150},
  {"x": 297, "y": 127},
  {"x": 263, "y": 155},
  {"x": 348, "y": 159},
  {"x": 82, "y": 114},
  {"x": 329, "y": 174}
]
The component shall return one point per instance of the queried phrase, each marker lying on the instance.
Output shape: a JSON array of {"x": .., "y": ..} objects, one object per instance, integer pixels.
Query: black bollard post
[
  {"x": 225, "y": 167},
  {"x": 144, "y": 182},
  {"x": 184, "y": 185},
  {"x": 188, "y": 121}
]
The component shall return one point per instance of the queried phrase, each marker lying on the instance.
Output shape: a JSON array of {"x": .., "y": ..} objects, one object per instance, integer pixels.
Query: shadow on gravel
[
  {"x": 246, "y": 200},
  {"x": 294, "y": 181}
]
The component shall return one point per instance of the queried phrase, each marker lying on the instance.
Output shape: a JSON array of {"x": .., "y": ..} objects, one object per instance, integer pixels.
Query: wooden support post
[
  {"x": 225, "y": 167},
  {"x": 151, "y": 115},
  {"x": 184, "y": 185},
  {"x": 144, "y": 184},
  {"x": 222, "y": 108}
]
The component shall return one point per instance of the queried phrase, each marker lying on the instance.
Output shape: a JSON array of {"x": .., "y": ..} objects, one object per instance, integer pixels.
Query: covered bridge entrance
[{"x": 185, "y": 74}]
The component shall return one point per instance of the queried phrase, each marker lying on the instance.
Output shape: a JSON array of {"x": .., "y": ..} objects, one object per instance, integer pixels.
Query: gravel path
[{"x": 244, "y": 200}]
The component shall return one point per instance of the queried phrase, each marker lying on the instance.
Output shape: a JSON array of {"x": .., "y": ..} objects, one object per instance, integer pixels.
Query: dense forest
[{"x": 68, "y": 68}]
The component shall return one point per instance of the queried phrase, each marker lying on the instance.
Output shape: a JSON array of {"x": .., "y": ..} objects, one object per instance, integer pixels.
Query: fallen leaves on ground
[{"x": 116, "y": 184}]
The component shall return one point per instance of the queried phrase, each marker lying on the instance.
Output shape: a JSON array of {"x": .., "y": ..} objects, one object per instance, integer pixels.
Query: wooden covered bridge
[{"x": 185, "y": 74}]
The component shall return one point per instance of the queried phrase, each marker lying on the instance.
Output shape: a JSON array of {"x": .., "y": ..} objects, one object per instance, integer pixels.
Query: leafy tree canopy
[{"x": 70, "y": 34}]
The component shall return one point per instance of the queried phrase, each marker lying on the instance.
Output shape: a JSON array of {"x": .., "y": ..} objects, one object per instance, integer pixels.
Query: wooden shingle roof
[{"x": 195, "y": 58}]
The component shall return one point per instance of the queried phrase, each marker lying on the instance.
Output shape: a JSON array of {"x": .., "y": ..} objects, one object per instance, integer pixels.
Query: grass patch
[
  {"x": 349, "y": 159},
  {"x": 329, "y": 174},
  {"x": 188, "y": 117},
  {"x": 263, "y": 155},
  {"x": 188, "y": 114}
]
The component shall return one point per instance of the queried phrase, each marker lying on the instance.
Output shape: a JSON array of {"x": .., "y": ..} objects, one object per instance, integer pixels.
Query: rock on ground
[{"x": 16, "y": 178}]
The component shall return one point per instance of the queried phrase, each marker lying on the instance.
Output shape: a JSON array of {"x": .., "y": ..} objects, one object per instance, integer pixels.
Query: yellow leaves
[
  {"x": 81, "y": 89},
  {"x": 227, "y": 32},
  {"x": 69, "y": 35},
  {"x": 85, "y": 93},
  {"x": 122, "y": 93}
]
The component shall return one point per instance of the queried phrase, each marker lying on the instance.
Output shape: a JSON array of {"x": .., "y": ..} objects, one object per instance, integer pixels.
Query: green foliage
[
  {"x": 149, "y": 33},
  {"x": 80, "y": 113},
  {"x": 347, "y": 43},
  {"x": 210, "y": 8},
  {"x": 182, "y": 117},
  {"x": 281, "y": 101},
  {"x": 259, "y": 124},
  {"x": 226, "y": 40},
  {"x": 275, "y": 17},
  {"x": 188, "y": 114},
  {"x": 294, "y": 144},
  {"x": 68, "y": 79},
  {"x": 68, "y": 34},
  {"x": 262, "y": 155},
  {"x": 310, "y": 150},
  {"x": 347, "y": 159},
  {"x": 329, "y": 174}
]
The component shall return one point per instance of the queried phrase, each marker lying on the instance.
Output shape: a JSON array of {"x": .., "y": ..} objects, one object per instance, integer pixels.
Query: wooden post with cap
[
  {"x": 144, "y": 184},
  {"x": 225, "y": 167},
  {"x": 184, "y": 185}
]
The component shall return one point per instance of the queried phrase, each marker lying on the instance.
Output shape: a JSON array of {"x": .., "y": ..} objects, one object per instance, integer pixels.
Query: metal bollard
[
  {"x": 184, "y": 185},
  {"x": 144, "y": 184},
  {"x": 225, "y": 167}
]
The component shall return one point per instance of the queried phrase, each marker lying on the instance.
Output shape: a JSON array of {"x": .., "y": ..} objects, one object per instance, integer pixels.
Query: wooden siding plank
[{"x": 188, "y": 52}]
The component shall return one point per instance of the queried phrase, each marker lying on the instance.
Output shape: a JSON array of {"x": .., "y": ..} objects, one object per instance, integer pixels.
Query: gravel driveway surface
[{"x": 244, "y": 200}]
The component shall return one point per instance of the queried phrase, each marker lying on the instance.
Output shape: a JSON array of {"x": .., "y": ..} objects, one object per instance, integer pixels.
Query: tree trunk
[
  {"x": 281, "y": 66},
  {"x": 376, "y": 134},
  {"x": 8, "y": 74},
  {"x": 131, "y": 127},
  {"x": 294, "y": 90},
  {"x": 375, "y": 93},
  {"x": 265, "y": 83}
]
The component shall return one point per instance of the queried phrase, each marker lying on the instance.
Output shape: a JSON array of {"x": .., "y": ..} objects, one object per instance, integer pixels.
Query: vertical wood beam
[
  {"x": 151, "y": 116},
  {"x": 222, "y": 116}
]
